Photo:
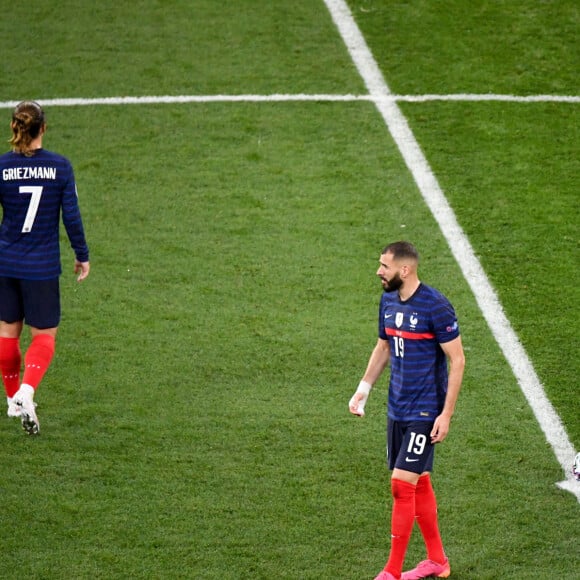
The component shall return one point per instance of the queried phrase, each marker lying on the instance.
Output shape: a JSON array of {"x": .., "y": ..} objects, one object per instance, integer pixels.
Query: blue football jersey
[
  {"x": 34, "y": 192},
  {"x": 415, "y": 329}
]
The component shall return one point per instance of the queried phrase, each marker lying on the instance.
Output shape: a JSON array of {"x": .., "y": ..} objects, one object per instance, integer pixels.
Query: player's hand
[
  {"x": 440, "y": 428},
  {"x": 357, "y": 404},
  {"x": 82, "y": 269},
  {"x": 358, "y": 401}
]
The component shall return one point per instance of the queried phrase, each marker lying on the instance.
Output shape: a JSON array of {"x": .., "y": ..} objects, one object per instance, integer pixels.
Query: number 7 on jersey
[{"x": 36, "y": 192}]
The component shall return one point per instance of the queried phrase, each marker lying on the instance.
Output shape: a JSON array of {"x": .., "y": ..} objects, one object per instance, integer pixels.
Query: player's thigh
[
  {"x": 412, "y": 449},
  {"x": 11, "y": 305},
  {"x": 41, "y": 299},
  {"x": 395, "y": 439}
]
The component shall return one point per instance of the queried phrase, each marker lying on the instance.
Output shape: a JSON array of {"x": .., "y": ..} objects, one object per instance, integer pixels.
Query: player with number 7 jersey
[
  {"x": 34, "y": 191},
  {"x": 37, "y": 188}
]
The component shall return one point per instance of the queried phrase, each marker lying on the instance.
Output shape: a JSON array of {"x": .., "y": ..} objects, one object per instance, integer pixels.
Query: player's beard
[{"x": 393, "y": 284}]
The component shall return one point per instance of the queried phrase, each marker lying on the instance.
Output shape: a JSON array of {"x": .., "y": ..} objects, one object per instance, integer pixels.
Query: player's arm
[
  {"x": 378, "y": 361},
  {"x": 73, "y": 223},
  {"x": 454, "y": 352}
]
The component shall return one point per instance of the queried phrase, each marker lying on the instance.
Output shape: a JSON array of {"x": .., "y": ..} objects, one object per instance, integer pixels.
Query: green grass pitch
[{"x": 194, "y": 423}]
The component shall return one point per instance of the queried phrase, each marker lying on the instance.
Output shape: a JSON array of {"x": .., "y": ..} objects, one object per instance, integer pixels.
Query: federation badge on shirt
[{"x": 399, "y": 319}]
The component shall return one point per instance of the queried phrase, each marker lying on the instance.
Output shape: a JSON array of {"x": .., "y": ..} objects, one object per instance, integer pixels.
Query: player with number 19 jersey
[
  {"x": 415, "y": 328},
  {"x": 33, "y": 192}
]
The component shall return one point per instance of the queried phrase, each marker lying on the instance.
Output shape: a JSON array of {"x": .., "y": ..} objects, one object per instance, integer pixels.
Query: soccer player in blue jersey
[
  {"x": 419, "y": 338},
  {"x": 36, "y": 188}
]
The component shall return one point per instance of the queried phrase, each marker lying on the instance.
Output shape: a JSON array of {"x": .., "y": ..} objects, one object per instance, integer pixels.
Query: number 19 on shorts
[{"x": 417, "y": 443}]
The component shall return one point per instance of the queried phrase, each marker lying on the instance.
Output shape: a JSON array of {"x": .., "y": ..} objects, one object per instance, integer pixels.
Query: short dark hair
[{"x": 402, "y": 250}]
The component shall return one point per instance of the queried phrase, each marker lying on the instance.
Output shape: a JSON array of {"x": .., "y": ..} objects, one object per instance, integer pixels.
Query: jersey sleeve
[
  {"x": 71, "y": 218},
  {"x": 445, "y": 324},
  {"x": 382, "y": 332}
]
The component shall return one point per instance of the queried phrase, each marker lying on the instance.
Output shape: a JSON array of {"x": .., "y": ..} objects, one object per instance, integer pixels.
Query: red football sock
[
  {"x": 402, "y": 521},
  {"x": 37, "y": 359},
  {"x": 426, "y": 513},
  {"x": 10, "y": 361}
]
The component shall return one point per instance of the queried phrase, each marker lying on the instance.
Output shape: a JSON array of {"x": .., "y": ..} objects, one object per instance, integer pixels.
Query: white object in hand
[{"x": 358, "y": 401}]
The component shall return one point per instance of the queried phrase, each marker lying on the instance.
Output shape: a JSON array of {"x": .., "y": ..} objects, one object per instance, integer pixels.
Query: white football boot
[
  {"x": 13, "y": 408},
  {"x": 24, "y": 400}
]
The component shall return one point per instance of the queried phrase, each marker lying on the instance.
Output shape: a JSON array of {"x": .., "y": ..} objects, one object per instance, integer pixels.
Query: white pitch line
[
  {"x": 490, "y": 97},
  {"x": 171, "y": 99},
  {"x": 433, "y": 195}
]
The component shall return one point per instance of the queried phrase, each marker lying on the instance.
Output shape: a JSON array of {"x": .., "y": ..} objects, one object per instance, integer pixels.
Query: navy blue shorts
[
  {"x": 409, "y": 445},
  {"x": 35, "y": 301}
]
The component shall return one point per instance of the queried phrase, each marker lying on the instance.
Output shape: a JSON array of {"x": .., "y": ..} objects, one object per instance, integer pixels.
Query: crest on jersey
[
  {"x": 413, "y": 320},
  {"x": 399, "y": 319}
]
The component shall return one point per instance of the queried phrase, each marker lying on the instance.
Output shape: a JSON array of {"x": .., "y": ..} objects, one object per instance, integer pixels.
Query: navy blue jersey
[
  {"x": 415, "y": 329},
  {"x": 34, "y": 191}
]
